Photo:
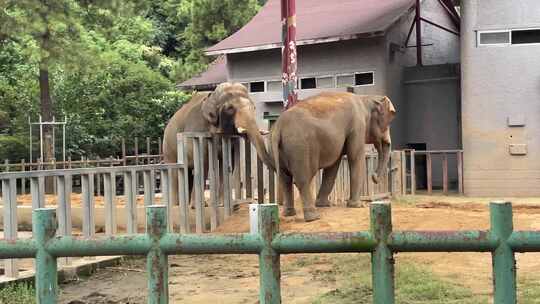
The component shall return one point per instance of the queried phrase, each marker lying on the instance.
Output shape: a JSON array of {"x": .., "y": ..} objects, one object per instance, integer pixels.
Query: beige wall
[{"x": 499, "y": 83}]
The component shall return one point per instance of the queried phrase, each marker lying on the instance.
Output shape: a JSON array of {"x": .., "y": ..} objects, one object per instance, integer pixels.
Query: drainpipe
[
  {"x": 418, "y": 21},
  {"x": 288, "y": 53}
]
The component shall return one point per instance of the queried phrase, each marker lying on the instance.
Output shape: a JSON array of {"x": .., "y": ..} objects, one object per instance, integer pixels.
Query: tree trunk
[{"x": 46, "y": 107}]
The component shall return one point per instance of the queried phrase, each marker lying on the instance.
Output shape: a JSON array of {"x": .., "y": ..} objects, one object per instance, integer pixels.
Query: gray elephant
[
  {"x": 316, "y": 133},
  {"x": 226, "y": 110}
]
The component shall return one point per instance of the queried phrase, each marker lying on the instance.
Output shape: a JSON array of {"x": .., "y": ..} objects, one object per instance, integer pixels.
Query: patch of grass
[
  {"x": 528, "y": 291},
  {"x": 414, "y": 285},
  {"x": 404, "y": 200},
  {"x": 21, "y": 293}
]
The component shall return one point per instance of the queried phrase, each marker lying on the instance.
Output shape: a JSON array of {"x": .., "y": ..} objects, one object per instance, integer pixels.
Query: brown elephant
[
  {"x": 316, "y": 133},
  {"x": 226, "y": 110}
]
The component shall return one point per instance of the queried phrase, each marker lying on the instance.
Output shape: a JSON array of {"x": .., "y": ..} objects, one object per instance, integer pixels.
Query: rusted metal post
[
  {"x": 418, "y": 25},
  {"x": 382, "y": 260},
  {"x": 413, "y": 173},
  {"x": 459, "y": 156},
  {"x": 504, "y": 262},
  {"x": 269, "y": 264},
  {"x": 288, "y": 52},
  {"x": 156, "y": 260},
  {"x": 429, "y": 175},
  {"x": 44, "y": 229},
  {"x": 445, "y": 173}
]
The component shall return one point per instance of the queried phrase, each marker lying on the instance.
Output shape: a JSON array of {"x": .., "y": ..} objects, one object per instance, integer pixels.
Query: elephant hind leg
[
  {"x": 286, "y": 191},
  {"x": 327, "y": 184},
  {"x": 310, "y": 212}
]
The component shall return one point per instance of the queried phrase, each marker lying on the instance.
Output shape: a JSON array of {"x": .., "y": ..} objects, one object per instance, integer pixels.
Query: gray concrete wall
[
  {"x": 313, "y": 60},
  {"x": 498, "y": 83},
  {"x": 411, "y": 120}
]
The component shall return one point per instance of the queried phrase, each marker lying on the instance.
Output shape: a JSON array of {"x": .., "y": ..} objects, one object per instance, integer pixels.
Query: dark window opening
[
  {"x": 308, "y": 83},
  {"x": 525, "y": 36},
  {"x": 257, "y": 86},
  {"x": 363, "y": 78}
]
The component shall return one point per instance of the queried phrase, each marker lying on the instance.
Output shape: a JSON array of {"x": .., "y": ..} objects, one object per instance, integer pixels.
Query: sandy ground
[{"x": 234, "y": 278}]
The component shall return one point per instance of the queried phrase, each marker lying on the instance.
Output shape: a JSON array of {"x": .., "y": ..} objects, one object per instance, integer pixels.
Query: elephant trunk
[
  {"x": 257, "y": 140},
  {"x": 383, "y": 149}
]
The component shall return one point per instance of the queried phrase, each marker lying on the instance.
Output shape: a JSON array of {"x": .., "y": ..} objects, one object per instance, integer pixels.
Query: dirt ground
[{"x": 234, "y": 278}]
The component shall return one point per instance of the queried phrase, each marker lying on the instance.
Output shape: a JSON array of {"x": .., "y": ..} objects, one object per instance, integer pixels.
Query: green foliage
[
  {"x": 209, "y": 22},
  {"x": 13, "y": 148},
  {"x": 17, "y": 293},
  {"x": 112, "y": 64}
]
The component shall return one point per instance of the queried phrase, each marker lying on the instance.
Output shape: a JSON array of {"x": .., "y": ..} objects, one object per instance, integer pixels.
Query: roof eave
[{"x": 299, "y": 42}]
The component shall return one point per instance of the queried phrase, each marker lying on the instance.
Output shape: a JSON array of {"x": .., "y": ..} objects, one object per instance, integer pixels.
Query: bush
[{"x": 12, "y": 148}]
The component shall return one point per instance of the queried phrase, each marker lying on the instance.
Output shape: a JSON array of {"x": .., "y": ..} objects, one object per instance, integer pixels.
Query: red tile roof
[
  {"x": 317, "y": 21},
  {"x": 214, "y": 75}
]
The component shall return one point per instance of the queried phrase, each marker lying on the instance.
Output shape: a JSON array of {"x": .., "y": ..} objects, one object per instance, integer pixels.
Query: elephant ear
[
  {"x": 211, "y": 104},
  {"x": 385, "y": 107}
]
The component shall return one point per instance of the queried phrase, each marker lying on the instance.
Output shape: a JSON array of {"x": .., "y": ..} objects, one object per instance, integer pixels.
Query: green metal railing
[{"x": 157, "y": 244}]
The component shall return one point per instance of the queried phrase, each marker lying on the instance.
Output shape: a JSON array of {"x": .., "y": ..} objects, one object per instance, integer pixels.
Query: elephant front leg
[
  {"x": 327, "y": 184},
  {"x": 286, "y": 191},
  {"x": 310, "y": 212},
  {"x": 357, "y": 170}
]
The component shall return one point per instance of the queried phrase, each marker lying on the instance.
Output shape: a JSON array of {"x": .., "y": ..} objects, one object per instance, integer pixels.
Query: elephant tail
[{"x": 276, "y": 139}]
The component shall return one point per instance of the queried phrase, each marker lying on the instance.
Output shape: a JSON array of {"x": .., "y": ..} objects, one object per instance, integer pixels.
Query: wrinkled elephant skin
[{"x": 316, "y": 133}]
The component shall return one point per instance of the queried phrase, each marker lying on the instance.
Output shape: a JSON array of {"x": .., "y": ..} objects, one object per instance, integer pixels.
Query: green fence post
[
  {"x": 382, "y": 260},
  {"x": 504, "y": 262},
  {"x": 270, "y": 273},
  {"x": 44, "y": 229},
  {"x": 156, "y": 261}
]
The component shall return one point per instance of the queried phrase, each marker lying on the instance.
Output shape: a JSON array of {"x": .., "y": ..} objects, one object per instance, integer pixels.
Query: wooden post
[
  {"x": 23, "y": 180},
  {"x": 237, "y": 172},
  {"x": 198, "y": 182},
  {"x": 226, "y": 157},
  {"x": 183, "y": 183},
  {"x": 160, "y": 150},
  {"x": 249, "y": 184},
  {"x": 148, "y": 149},
  {"x": 124, "y": 159},
  {"x": 260, "y": 181},
  {"x": 213, "y": 178},
  {"x": 428, "y": 168},
  {"x": 445, "y": 173},
  {"x": 403, "y": 173},
  {"x": 459, "y": 156}
]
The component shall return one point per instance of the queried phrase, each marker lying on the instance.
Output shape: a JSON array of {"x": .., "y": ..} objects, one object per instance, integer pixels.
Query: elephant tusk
[
  {"x": 264, "y": 132},
  {"x": 241, "y": 130}
]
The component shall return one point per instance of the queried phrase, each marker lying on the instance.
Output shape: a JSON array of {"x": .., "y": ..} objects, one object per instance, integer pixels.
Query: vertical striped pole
[{"x": 288, "y": 52}]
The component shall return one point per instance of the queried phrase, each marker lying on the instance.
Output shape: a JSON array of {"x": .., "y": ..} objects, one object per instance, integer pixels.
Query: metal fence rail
[
  {"x": 63, "y": 200},
  {"x": 157, "y": 244}
]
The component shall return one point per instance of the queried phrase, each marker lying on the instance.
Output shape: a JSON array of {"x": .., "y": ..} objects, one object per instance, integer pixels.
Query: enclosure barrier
[
  {"x": 429, "y": 155},
  {"x": 157, "y": 244},
  {"x": 63, "y": 199}
]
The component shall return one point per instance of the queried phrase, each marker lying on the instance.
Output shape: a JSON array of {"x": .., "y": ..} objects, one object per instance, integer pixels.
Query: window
[
  {"x": 363, "y": 79},
  {"x": 494, "y": 38},
  {"x": 508, "y": 37},
  {"x": 325, "y": 82},
  {"x": 526, "y": 36},
  {"x": 274, "y": 86},
  {"x": 308, "y": 83},
  {"x": 256, "y": 86},
  {"x": 344, "y": 81}
]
